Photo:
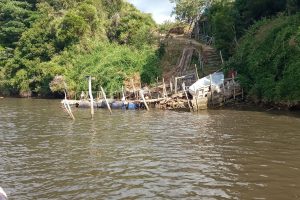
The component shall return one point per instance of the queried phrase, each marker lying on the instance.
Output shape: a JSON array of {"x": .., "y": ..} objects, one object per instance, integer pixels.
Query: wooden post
[
  {"x": 66, "y": 103},
  {"x": 133, "y": 88},
  {"x": 108, "y": 106},
  {"x": 194, "y": 102},
  {"x": 164, "y": 89},
  {"x": 171, "y": 86},
  {"x": 157, "y": 90},
  {"x": 196, "y": 71},
  {"x": 221, "y": 57},
  {"x": 143, "y": 98},
  {"x": 91, "y": 96},
  {"x": 67, "y": 106},
  {"x": 211, "y": 89},
  {"x": 183, "y": 86},
  {"x": 175, "y": 85},
  {"x": 123, "y": 95},
  {"x": 242, "y": 94},
  {"x": 234, "y": 91},
  {"x": 224, "y": 92},
  {"x": 233, "y": 87}
]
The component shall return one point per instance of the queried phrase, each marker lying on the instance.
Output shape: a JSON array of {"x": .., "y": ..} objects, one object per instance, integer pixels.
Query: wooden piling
[
  {"x": 123, "y": 95},
  {"x": 175, "y": 85},
  {"x": 143, "y": 98},
  {"x": 164, "y": 89},
  {"x": 104, "y": 95},
  {"x": 211, "y": 89},
  {"x": 67, "y": 106},
  {"x": 66, "y": 103},
  {"x": 221, "y": 56},
  {"x": 242, "y": 93},
  {"x": 91, "y": 96},
  {"x": 224, "y": 92},
  {"x": 188, "y": 101},
  {"x": 234, "y": 92},
  {"x": 196, "y": 71},
  {"x": 134, "y": 91}
]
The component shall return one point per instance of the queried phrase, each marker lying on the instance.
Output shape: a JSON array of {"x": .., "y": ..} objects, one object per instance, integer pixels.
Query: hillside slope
[{"x": 182, "y": 53}]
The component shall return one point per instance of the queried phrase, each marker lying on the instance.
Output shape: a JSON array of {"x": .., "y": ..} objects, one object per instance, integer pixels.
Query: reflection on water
[{"x": 137, "y": 154}]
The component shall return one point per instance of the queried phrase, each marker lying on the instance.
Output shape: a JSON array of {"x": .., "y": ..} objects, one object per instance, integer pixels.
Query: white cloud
[{"x": 160, "y": 9}]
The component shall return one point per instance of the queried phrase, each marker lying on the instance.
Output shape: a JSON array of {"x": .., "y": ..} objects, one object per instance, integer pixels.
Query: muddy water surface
[{"x": 221, "y": 154}]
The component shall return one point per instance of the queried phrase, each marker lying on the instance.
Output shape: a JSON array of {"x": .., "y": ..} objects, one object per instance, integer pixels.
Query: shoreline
[{"x": 232, "y": 105}]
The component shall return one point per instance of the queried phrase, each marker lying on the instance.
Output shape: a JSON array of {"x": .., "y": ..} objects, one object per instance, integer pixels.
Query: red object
[{"x": 232, "y": 73}]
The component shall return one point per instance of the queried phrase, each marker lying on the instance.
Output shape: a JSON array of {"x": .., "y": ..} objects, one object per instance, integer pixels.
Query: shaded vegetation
[
  {"x": 267, "y": 60},
  {"x": 260, "y": 39}
]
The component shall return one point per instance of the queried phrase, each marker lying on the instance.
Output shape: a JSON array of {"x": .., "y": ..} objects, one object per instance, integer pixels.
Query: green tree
[
  {"x": 222, "y": 16},
  {"x": 188, "y": 10},
  {"x": 70, "y": 30},
  {"x": 131, "y": 27},
  {"x": 15, "y": 18}
]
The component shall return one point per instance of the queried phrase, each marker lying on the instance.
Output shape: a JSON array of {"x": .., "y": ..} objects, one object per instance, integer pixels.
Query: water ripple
[{"x": 139, "y": 154}]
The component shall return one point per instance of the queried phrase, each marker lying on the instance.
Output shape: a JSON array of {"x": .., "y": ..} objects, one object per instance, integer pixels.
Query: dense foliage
[
  {"x": 109, "y": 39},
  {"x": 268, "y": 60}
]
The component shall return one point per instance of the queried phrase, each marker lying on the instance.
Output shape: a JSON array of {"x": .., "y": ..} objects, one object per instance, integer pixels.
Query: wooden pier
[{"x": 164, "y": 96}]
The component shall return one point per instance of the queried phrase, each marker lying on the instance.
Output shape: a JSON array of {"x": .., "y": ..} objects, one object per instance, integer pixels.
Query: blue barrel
[{"x": 131, "y": 106}]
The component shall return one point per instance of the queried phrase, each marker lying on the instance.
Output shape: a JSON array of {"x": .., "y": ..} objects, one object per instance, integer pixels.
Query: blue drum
[{"x": 131, "y": 106}]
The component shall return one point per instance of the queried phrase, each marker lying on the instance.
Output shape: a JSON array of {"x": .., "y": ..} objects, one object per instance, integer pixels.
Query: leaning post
[{"x": 104, "y": 95}]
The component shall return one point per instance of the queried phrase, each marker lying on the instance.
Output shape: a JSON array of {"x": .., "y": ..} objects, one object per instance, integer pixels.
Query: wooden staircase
[{"x": 211, "y": 60}]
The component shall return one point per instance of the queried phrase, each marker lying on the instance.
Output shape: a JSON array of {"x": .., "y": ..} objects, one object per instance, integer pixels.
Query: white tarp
[{"x": 217, "y": 79}]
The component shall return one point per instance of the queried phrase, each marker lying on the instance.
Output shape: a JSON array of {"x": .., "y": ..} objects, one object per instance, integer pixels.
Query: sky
[{"x": 160, "y": 9}]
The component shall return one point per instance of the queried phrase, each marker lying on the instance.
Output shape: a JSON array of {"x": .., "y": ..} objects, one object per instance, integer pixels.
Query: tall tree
[{"x": 188, "y": 10}]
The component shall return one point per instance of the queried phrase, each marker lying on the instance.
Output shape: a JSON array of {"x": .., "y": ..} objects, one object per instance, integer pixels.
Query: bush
[{"x": 267, "y": 60}]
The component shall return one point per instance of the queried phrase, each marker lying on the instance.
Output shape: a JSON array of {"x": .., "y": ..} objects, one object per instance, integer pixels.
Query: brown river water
[{"x": 217, "y": 154}]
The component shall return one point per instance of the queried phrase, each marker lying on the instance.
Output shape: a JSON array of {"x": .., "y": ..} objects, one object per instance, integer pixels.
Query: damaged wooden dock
[{"x": 173, "y": 96}]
